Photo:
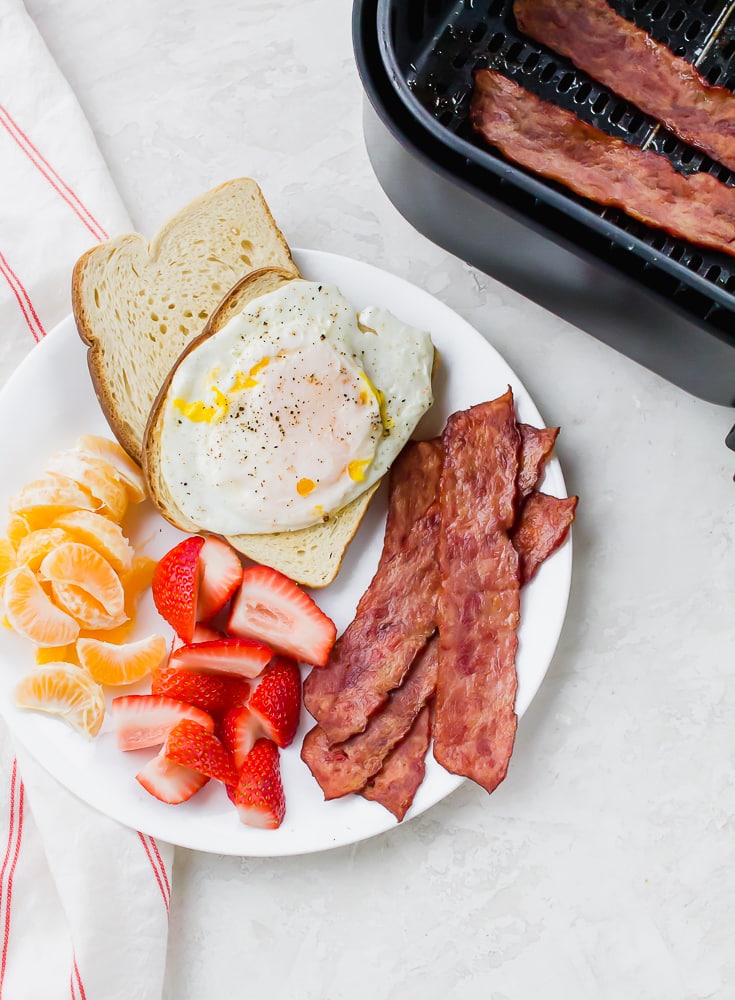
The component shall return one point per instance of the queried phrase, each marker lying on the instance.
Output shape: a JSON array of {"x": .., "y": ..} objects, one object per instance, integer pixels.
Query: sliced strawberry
[
  {"x": 221, "y": 576},
  {"x": 272, "y": 608},
  {"x": 239, "y": 731},
  {"x": 276, "y": 701},
  {"x": 195, "y": 747},
  {"x": 176, "y": 586},
  {"x": 242, "y": 657},
  {"x": 259, "y": 795},
  {"x": 145, "y": 720},
  {"x": 213, "y": 693},
  {"x": 170, "y": 782},
  {"x": 202, "y": 633}
]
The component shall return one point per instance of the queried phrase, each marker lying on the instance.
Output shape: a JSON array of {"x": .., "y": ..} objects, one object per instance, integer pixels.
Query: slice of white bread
[
  {"x": 137, "y": 305},
  {"x": 311, "y": 556}
]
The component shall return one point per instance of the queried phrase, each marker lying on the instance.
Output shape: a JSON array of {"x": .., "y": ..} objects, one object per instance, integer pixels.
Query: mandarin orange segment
[
  {"x": 7, "y": 558},
  {"x": 112, "y": 663},
  {"x": 32, "y": 614},
  {"x": 112, "y": 452},
  {"x": 94, "y": 475},
  {"x": 18, "y": 527},
  {"x": 36, "y": 545},
  {"x": 137, "y": 580},
  {"x": 115, "y": 633},
  {"x": 65, "y": 690},
  {"x": 87, "y": 611},
  {"x": 57, "y": 654},
  {"x": 102, "y": 534},
  {"x": 44, "y": 499},
  {"x": 80, "y": 565}
]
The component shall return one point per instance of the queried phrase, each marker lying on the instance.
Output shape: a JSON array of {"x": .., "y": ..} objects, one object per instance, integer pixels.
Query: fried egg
[{"x": 291, "y": 410}]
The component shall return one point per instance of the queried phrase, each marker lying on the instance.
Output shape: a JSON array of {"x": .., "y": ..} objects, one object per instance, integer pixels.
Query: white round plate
[{"x": 49, "y": 401}]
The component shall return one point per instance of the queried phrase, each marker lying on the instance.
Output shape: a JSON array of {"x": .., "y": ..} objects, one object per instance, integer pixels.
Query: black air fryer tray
[{"x": 663, "y": 301}]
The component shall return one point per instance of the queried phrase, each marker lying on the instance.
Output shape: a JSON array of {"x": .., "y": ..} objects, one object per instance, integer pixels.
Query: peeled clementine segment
[
  {"x": 112, "y": 663},
  {"x": 137, "y": 580},
  {"x": 102, "y": 534},
  {"x": 115, "y": 633},
  {"x": 18, "y": 527},
  {"x": 80, "y": 565},
  {"x": 84, "y": 608},
  {"x": 35, "y": 546},
  {"x": 94, "y": 475},
  {"x": 44, "y": 499},
  {"x": 66, "y": 690},
  {"x": 7, "y": 558},
  {"x": 32, "y": 613},
  {"x": 112, "y": 452},
  {"x": 57, "y": 654}
]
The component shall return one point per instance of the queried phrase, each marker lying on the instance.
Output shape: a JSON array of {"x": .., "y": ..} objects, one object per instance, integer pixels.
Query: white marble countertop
[{"x": 604, "y": 866}]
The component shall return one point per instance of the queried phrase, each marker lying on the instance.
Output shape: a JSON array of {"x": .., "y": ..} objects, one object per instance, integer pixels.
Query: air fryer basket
[{"x": 428, "y": 50}]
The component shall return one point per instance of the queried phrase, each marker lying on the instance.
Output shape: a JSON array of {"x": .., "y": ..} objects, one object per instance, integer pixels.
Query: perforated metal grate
[{"x": 437, "y": 45}]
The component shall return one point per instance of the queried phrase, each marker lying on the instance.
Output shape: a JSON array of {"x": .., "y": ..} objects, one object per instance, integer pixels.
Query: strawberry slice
[
  {"x": 242, "y": 657},
  {"x": 276, "y": 701},
  {"x": 170, "y": 782},
  {"x": 259, "y": 795},
  {"x": 272, "y": 608},
  {"x": 176, "y": 586},
  {"x": 239, "y": 731},
  {"x": 145, "y": 720},
  {"x": 221, "y": 576},
  {"x": 213, "y": 693},
  {"x": 202, "y": 633},
  {"x": 195, "y": 747}
]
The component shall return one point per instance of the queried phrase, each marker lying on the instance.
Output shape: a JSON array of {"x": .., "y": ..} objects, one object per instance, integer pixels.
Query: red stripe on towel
[
  {"x": 75, "y": 975},
  {"x": 15, "y": 833},
  {"x": 156, "y": 870},
  {"x": 154, "y": 845},
  {"x": 23, "y": 298},
  {"x": 41, "y": 163}
]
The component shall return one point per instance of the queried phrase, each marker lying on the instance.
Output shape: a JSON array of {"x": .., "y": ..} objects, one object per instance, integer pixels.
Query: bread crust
[{"x": 244, "y": 201}]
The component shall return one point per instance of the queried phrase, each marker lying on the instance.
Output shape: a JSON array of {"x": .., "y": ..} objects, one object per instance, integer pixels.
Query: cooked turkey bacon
[
  {"x": 395, "y": 786},
  {"x": 542, "y": 526},
  {"x": 634, "y": 65},
  {"x": 346, "y": 767},
  {"x": 537, "y": 444},
  {"x": 413, "y": 487},
  {"x": 554, "y": 143},
  {"x": 394, "y": 618},
  {"x": 479, "y": 599}
]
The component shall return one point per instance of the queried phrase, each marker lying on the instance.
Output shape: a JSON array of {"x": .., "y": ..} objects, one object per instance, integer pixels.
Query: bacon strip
[
  {"x": 479, "y": 600},
  {"x": 413, "y": 487},
  {"x": 542, "y": 526},
  {"x": 395, "y": 617},
  {"x": 554, "y": 143},
  {"x": 395, "y": 786},
  {"x": 537, "y": 444},
  {"x": 346, "y": 767},
  {"x": 634, "y": 65}
]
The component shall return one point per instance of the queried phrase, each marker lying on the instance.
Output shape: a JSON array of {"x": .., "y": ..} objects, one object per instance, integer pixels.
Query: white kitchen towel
[{"x": 83, "y": 901}]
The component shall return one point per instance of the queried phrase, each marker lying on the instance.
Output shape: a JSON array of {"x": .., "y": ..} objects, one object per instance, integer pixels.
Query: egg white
[{"x": 291, "y": 410}]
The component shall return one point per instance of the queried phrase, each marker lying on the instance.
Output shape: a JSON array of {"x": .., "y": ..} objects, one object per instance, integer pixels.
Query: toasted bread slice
[
  {"x": 138, "y": 305},
  {"x": 311, "y": 556}
]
